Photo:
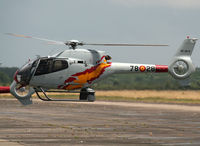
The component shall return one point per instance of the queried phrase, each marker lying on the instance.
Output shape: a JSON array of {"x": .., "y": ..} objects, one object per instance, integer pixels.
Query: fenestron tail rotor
[{"x": 74, "y": 43}]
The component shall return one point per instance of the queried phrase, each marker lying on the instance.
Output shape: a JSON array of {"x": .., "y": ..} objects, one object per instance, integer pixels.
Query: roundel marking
[{"x": 142, "y": 68}]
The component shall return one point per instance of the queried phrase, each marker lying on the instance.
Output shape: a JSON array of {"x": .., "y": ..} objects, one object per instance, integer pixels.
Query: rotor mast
[{"x": 73, "y": 44}]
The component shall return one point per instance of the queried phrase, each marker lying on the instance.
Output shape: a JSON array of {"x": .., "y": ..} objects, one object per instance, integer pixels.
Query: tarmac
[{"x": 98, "y": 123}]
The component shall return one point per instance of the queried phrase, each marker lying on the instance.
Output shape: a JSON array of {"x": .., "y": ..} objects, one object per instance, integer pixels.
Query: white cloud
[{"x": 160, "y": 3}]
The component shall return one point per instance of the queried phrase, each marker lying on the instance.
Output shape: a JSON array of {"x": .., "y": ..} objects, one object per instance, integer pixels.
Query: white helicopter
[{"x": 77, "y": 69}]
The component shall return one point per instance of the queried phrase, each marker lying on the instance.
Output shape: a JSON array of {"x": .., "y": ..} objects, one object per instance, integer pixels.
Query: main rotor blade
[
  {"x": 76, "y": 43},
  {"x": 124, "y": 44},
  {"x": 42, "y": 39}
]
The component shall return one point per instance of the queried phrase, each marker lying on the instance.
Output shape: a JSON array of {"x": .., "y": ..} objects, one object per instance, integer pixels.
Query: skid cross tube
[{"x": 50, "y": 99}]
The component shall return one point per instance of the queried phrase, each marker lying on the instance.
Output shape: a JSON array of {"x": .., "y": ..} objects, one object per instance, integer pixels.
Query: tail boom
[{"x": 138, "y": 68}]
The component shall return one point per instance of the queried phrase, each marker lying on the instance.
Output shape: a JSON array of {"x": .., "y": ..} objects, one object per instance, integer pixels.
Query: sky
[{"x": 98, "y": 21}]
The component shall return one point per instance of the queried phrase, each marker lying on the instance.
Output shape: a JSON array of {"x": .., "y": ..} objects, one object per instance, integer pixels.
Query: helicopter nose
[
  {"x": 16, "y": 77},
  {"x": 23, "y": 74}
]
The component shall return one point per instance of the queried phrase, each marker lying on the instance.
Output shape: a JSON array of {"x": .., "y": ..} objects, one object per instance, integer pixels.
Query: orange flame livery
[{"x": 79, "y": 79}]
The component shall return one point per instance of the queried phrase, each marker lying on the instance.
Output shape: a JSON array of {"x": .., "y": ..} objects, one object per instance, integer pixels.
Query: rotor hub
[{"x": 73, "y": 43}]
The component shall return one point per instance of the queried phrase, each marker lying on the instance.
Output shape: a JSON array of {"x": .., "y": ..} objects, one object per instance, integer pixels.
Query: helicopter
[{"x": 75, "y": 70}]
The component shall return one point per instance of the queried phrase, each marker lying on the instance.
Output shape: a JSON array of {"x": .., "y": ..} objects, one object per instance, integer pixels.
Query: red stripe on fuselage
[{"x": 161, "y": 68}]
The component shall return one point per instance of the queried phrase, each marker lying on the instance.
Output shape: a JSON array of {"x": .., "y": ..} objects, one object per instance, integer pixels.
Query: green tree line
[
  {"x": 6, "y": 75},
  {"x": 150, "y": 81}
]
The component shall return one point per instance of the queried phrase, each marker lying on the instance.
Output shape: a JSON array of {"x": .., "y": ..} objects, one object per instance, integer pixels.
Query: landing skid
[{"x": 86, "y": 94}]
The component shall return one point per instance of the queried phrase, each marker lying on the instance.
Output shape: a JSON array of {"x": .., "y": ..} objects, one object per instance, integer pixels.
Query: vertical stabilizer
[{"x": 181, "y": 65}]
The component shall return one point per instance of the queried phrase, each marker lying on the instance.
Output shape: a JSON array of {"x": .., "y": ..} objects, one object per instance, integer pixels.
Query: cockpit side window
[
  {"x": 50, "y": 65},
  {"x": 59, "y": 65}
]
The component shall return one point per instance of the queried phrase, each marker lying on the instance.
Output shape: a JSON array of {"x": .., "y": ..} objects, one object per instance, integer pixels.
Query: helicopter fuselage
[
  {"x": 80, "y": 68},
  {"x": 75, "y": 69}
]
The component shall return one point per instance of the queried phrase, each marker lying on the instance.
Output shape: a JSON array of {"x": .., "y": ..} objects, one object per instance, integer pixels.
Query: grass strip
[{"x": 123, "y": 99}]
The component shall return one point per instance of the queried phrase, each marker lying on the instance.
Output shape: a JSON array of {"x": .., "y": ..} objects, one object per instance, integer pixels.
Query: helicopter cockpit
[
  {"x": 50, "y": 65},
  {"x": 39, "y": 67}
]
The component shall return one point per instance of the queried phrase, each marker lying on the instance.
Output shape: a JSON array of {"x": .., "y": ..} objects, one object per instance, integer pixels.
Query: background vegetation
[
  {"x": 128, "y": 81},
  {"x": 152, "y": 81},
  {"x": 6, "y": 75}
]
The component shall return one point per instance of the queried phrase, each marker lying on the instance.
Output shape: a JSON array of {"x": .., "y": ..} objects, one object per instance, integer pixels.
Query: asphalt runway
[{"x": 98, "y": 123}]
